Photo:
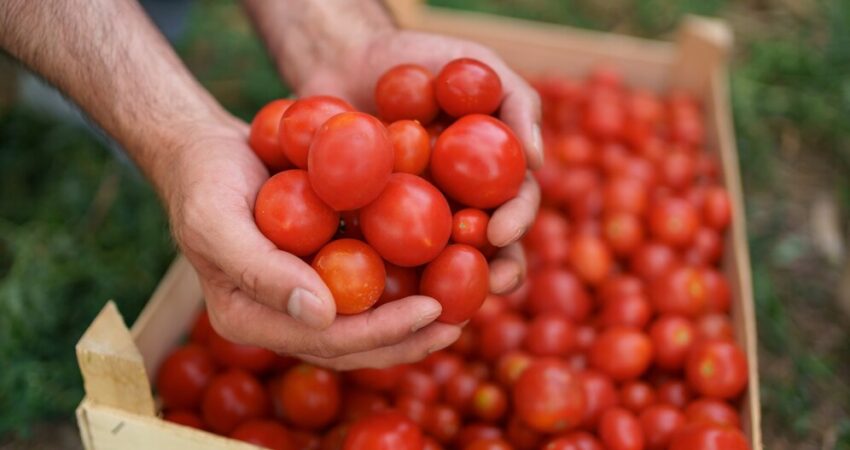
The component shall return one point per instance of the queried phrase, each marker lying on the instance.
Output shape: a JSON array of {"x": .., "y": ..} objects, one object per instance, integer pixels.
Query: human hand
[
  {"x": 259, "y": 295},
  {"x": 353, "y": 77}
]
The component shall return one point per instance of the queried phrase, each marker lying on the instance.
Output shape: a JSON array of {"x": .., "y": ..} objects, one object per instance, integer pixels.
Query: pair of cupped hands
[{"x": 259, "y": 295}]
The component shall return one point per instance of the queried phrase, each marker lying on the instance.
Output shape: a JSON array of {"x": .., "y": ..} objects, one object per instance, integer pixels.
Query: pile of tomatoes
[
  {"x": 619, "y": 339},
  {"x": 366, "y": 202}
]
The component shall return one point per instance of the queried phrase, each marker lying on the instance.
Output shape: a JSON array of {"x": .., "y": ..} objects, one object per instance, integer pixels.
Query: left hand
[{"x": 354, "y": 76}]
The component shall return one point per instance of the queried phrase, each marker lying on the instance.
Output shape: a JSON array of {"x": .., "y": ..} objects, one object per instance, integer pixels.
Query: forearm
[
  {"x": 109, "y": 58},
  {"x": 304, "y": 35}
]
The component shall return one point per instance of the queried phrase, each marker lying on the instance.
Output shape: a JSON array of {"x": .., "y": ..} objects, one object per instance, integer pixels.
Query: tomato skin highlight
[
  {"x": 406, "y": 92},
  {"x": 458, "y": 278},
  {"x": 409, "y": 223},
  {"x": 300, "y": 122},
  {"x": 350, "y": 160},
  {"x": 264, "y": 137},
  {"x": 478, "y": 161},
  {"x": 290, "y": 214}
]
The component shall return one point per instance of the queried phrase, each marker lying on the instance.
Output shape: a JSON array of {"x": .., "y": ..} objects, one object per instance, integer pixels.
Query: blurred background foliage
[{"x": 78, "y": 226}]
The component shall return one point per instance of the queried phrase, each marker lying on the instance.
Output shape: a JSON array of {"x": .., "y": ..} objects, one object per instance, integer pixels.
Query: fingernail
[
  {"x": 537, "y": 140},
  {"x": 306, "y": 308},
  {"x": 441, "y": 345},
  {"x": 515, "y": 237},
  {"x": 428, "y": 313}
]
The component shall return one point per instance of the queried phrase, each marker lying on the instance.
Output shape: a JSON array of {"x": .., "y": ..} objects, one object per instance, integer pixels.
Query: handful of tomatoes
[
  {"x": 620, "y": 338},
  {"x": 366, "y": 201}
]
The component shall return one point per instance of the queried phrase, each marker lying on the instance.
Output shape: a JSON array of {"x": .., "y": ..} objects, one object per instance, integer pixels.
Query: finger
[
  {"x": 512, "y": 220},
  {"x": 428, "y": 340},
  {"x": 507, "y": 270},
  {"x": 521, "y": 111}
]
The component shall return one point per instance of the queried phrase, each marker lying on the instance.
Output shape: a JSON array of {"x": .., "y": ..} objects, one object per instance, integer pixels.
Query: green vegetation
[{"x": 78, "y": 227}]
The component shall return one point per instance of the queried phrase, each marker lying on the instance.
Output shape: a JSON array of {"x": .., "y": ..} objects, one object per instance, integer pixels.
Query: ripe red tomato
[
  {"x": 511, "y": 365},
  {"x": 623, "y": 232},
  {"x": 412, "y": 407},
  {"x": 643, "y": 106},
  {"x": 707, "y": 247},
  {"x": 677, "y": 169},
  {"x": 504, "y": 333},
  {"x": 441, "y": 422},
  {"x": 411, "y": 146},
  {"x": 489, "y": 402},
  {"x": 577, "y": 440},
  {"x": 468, "y": 86},
  {"x": 600, "y": 395},
  {"x": 354, "y": 273},
  {"x": 717, "y": 210},
  {"x": 264, "y": 433},
  {"x": 442, "y": 366},
  {"x": 521, "y": 436},
  {"x": 623, "y": 353},
  {"x": 673, "y": 392},
  {"x": 307, "y": 396},
  {"x": 554, "y": 290},
  {"x": 548, "y": 397},
  {"x": 619, "y": 285},
  {"x": 381, "y": 380},
  {"x": 350, "y": 160},
  {"x": 305, "y": 440},
  {"x": 574, "y": 149},
  {"x": 228, "y": 354},
  {"x": 429, "y": 443},
  {"x": 604, "y": 116},
  {"x": 632, "y": 310},
  {"x": 264, "y": 137},
  {"x": 459, "y": 279},
  {"x": 231, "y": 398},
  {"x": 672, "y": 337},
  {"x": 300, "y": 122},
  {"x": 547, "y": 238},
  {"x": 406, "y": 92},
  {"x": 550, "y": 335},
  {"x": 652, "y": 259},
  {"x": 493, "y": 306},
  {"x": 410, "y": 223},
  {"x": 659, "y": 424},
  {"x": 590, "y": 258},
  {"x": 714, "y": 326},
  {"x": 680, "y": 291},
  {"x": 459, "y": 389},
  {"x": 702, "y": 436},
  {"x": 419, "y": 384},
  {"x": 184, "y": 417},
  {"x": 335, "y": 438},
  {"x": 489, "y": 444},
  {"x": 674, "y": 221},
  {"x": 202, "y": 329},
  {"x": 478, "y": 161},
  {"x": 621, "y": 430},
  {"x": 476, "y": 431},
  {"x": 357, "y": 404},
  {"x": 401, "y": 282},
  {"x": 687, "y": 126},
  {"x": 717, "y": 369},
  {"x": 713, "y": 411},
  {"x": 184, "y": 375},
  {"x": 469, "y": 226},
  {"x": 718, "y": 296},
  {"x": 636, "y": 396},
  {"x": 291, "y": 215},
  {"x": 388, "y": 430}
]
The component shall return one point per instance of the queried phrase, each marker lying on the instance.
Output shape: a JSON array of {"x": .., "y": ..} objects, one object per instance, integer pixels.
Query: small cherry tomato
[
  {"x": 401, "y": 282},
  {"x": 354, "y": 273},
  {"x": 547, "y": 238},
  {"x": 468, "y": 86},
  {"x": 577, "y": 440},
  {"x": 717, "y": 369},
  {"x": 521, "y": 436},
  {"x": 631, "y": 310},
  {"x": 469, "y": 226},
  {"x": 604, "y": 116},
  {"x": 672, "y": 337},
  {"x": 673, "y": 392},
  {"x": 290, "y": 214},
  {"x": 478, "y": 161},
  {"x": 623, "y": 353},
  {"x": 636, "y": 396},
  {"x": 712, "y": 411},
  {"x": 307, "y": 396},
  {"x": 659, "y": 424},
  {"x": 623, "y": 232},
  {"x": 419, "y": 384},
  {"x": 590, "y": 258},
  {"x": 458, "y": 278},
  {"x": 550, "y": 335},
  {"x": 674, "y": 221},
  {"x": 406, "y": 92},
  {"x": 574, "y": 149},
  {"x": 677, "y": 169},
  {"x": 231, "y": 398},
  {"x": 714, "y": 326},
  {"x": 300, "y": 122},
  {"x": 184, "y": 417},
  {"x": 441, "y": 422},
  {"x": 652, "y": 259},
  {"x": 389, "y": 430},
  {"x": 184, "y": 375},
  {"x": 489, "y": 444},
  {"x": 442, "y": 366},
  {"x": 703, "y": 436},
  {"x": 264, "y": 433},
  {"x": 717, "y": 210},
  {"x": 228, "y": 354},
  {"x": 511, "y": 365},
  {"x": 476, "y": 431},
  {"x": 411, "y": 146},
  {"x": 548, "y": 397},
  {"x": 680, "y": 291},
  {"x": 554, "y": 290},
  {"x": 381, "y": 380},
  {"x": 621, "y": 430},
  {"x": 202, "y": 329},
  {"x": 718, "y": 296},
  {"x": 504, "y": 333},
  {"x": 707, "y": 247},
  {"x": 410, "y": 223},
  {"x": 264, "y": 138},
  {"x": 412, "y": 407},
  {"x": 600, "y": 395},
  {"x": 489, "y": 402},
  {"x": 357, "y": 404},
  {"x": 459, "y": 389}
]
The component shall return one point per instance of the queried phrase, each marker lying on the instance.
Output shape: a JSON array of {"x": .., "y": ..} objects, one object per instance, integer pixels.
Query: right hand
[{"x": 259, "y": 295}]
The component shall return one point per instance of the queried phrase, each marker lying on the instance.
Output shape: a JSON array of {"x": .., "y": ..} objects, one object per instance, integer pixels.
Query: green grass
[{"x": 77, "y": 227}]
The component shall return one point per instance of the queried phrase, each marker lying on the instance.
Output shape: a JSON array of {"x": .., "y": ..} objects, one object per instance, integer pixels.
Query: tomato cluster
[
  {"x": 620, "y": 338},
  {"x": 365, "y": 200}
]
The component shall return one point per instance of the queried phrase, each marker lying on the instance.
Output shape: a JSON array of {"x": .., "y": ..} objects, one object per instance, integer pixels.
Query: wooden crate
[{"x": 117, "y": 364}]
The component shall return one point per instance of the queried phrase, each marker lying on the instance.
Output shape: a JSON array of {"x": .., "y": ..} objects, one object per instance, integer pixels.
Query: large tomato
[
  {"x": 623, "y": 353},
  {"x": 239, "y": 356},
  {"x": 290, "y": 214},
  {"x": 231, "y": 398},
  {"x": 354, "y": 273},
  {"x": 458, "y": 278},
  {"x": 300, "y": 122},
  {"x": 410, "y": 223},
  {"x": 406, "y": 92},
  {"x": 350, "y": 160},
  {"x": 184, "y": 375},
  {"x": 478, "y": 161},
  {"x": 717, "y": 369},
  {"x": 264, "y": 138},
  {"x": 548, "y": 397},
  {"x": 468, "y": 86},
  {"x": 307, "y": 396},
  {"x": 388, "y": 430}
]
